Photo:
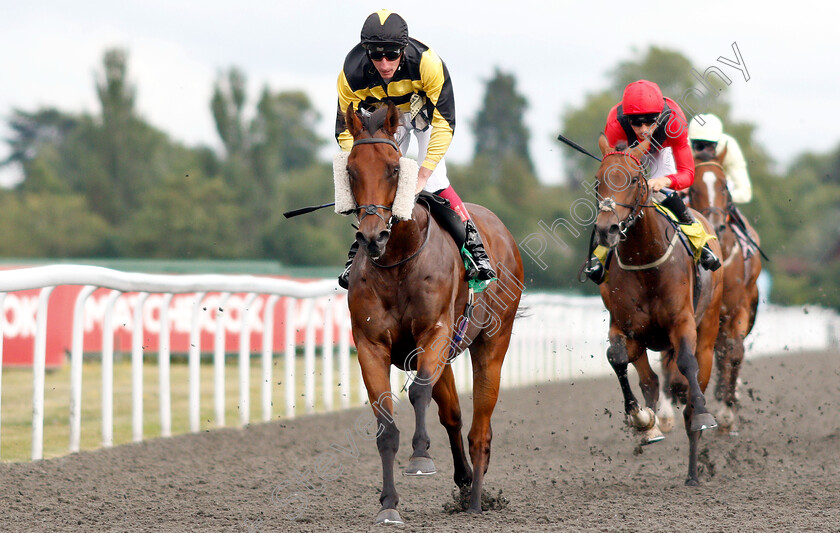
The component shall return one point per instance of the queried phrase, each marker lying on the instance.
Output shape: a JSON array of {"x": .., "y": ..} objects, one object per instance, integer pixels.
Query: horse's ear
[
  {"x": 722, "y": 155},
  {"x": 604, "y": 144},
  {"x": 641, "y": 148},
  {"x": 392, "y": 119},
  {"x": 352, "y": 121}
]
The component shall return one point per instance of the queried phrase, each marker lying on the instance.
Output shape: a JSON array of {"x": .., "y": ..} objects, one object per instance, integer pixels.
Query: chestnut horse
[
  {"x": 652, "y": 297},
  {"x": 710, "y": 195},
  {"x": 407, "y": 292}
]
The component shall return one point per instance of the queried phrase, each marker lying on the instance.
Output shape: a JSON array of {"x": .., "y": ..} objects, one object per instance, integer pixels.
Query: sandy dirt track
[{"x": 561, "y": 457}]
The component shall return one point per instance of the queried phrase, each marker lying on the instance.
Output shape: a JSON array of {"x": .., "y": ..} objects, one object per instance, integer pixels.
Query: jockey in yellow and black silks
[{"x": 389, "y": 66}]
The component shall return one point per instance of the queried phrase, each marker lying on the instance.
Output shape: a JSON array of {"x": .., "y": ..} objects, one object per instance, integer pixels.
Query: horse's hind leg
[
  {"x": 449, "y": 412},
  {"x": 376, "y": 373},
  {"x": 487, "y": 358}
]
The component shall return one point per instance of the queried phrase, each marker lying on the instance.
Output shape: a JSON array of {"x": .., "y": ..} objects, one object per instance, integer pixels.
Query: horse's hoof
[
  {"x": 702, "y": 421},
  {"x": 692, "y": 482},
  {"x": 420, "y": 466},
  {"x": 473, "y": 511},
  {"x": 388, "y": 516},
  {"x": 652, "y": 435}
]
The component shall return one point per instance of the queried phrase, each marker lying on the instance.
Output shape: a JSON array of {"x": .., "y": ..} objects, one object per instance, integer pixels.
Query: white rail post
[
  {"x": 76, "y": 355},
  {"x": 245, "y": 359},
  {"x": 289, "y": 363},
  {"x": 108, "y": 371},
  {"x": 2, "y": 326},
  {"x": 39, "y": 363},
  {"x": 309, "y": 355},
  {"x": 327, "y": 356},
  {"x": 219, "y": 362},
  {"x": 195, "y": 364},
  {"x": 344, "y": 358},
  {"x": 163, "y": 363},
  {"x": 268, "y": 356},
  {"x": 137, "y": 369}
]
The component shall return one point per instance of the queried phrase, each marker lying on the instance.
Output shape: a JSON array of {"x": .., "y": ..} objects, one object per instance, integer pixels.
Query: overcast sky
[{"x": 558, "y": 52}]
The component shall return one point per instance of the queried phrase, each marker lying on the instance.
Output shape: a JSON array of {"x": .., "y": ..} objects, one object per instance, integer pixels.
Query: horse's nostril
[
  {"x": 360, "y": 238},
  {"x": 383, "y": 236},
  {"x": 613, "y": 229}
]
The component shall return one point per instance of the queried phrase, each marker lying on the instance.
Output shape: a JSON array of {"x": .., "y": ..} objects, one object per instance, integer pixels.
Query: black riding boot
[
  {"x": 481, "y": 268},
  {"x": 672, "y": 201},
  {"x": 594, "y": 270},
  {"x": 343, "y": 278}
]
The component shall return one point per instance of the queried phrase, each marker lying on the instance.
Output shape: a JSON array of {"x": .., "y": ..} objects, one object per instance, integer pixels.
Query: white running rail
[{"x": 560, "y": 338}]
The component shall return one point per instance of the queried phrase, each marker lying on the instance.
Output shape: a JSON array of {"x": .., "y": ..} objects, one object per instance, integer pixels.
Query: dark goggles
[
  {"x": 391, "y": 54},
  {"x": 699, "y": 146},
  {"x": 640, "y": 120}
]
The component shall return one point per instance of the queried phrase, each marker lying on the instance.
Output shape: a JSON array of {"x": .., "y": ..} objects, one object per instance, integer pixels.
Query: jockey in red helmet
[
  {"x": 644, "y": 113},
  {"x": 388, "y": 65}
]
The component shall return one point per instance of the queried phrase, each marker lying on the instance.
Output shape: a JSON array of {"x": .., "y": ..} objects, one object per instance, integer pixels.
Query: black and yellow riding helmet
[{"x": 385, "y": 29}]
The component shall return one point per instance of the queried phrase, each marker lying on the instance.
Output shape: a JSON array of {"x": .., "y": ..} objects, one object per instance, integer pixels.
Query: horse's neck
[
  {"x": 647, "y": 240},
  {"x": 407, "y": 237}
]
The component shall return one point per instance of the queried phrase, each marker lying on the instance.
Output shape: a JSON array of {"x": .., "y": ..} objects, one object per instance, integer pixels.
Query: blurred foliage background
[{"x": 112, "y": 186}]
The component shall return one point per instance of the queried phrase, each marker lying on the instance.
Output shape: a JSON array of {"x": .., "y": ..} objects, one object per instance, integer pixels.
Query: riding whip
[
  {"x": 304, "y": 210},
  {"x": 576, "y": 146}
]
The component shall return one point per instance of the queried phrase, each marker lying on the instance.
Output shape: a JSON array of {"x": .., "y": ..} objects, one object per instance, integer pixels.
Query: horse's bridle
[
  {"x": 608, "y": 204},
  {"x": 373, "y": 209}
]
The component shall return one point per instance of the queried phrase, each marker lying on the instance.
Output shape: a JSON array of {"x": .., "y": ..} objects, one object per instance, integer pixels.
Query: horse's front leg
[
  {"x": 649, "y": 382},
  {"x": 376, "y": 366},
  {"x": 620, "y": 353},
  {"x": 694, "y": 360},
  {"x": 430, "y": 358}
]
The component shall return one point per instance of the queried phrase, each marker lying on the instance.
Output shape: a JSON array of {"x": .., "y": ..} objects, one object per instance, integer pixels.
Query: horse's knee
[
  {"x": 686, "y": 361},
  {"x": 387, "y": 436},
  {"x": 420, "y": 392},
  {"x": 617, "y": 353}
]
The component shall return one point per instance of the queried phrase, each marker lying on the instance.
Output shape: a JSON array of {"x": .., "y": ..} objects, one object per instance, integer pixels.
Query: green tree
[{"x": 499, "y": 129}]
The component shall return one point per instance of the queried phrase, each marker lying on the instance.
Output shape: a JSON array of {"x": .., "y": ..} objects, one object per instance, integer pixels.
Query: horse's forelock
[
  {"x": 620, "y": 146},
  {"x": 376, "y": 120}
]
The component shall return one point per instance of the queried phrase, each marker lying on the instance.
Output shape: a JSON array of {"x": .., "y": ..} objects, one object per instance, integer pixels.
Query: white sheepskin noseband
[{"x": 404, "y": 200}]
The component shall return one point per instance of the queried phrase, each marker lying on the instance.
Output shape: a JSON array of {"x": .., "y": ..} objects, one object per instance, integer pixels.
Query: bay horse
[
  {"x": 652, "y": 296},
  {"x": 710, "y": 196},
  {"x": 407, "y": 292}
]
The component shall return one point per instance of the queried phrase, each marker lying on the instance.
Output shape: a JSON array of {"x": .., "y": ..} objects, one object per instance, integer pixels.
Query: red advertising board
[{"x": 20, "y": 322}]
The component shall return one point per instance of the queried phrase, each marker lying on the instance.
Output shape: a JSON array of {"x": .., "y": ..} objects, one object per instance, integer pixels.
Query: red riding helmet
[{"x": 641, "y": 98}]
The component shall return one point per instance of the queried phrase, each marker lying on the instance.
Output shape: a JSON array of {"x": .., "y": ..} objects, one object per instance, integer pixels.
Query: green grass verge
[{"x": 16, "y": 428}]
